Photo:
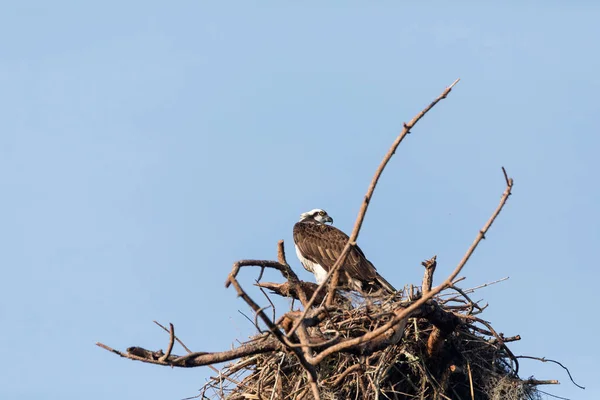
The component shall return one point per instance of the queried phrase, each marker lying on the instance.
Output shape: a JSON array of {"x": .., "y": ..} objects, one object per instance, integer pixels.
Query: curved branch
[
  {"x": 544, "y": 359},
  {"x": 405, "y": 313},
  {"x": 365, "y": 205}
]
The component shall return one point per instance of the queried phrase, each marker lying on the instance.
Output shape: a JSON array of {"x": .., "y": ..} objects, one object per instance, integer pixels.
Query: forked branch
[
  {"x": 406, "y": 312},
  {"x": 365, "y": 204}
]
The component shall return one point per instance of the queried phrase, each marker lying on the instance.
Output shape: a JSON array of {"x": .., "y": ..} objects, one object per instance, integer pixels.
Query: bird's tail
[{"x": 385, "y": 284}]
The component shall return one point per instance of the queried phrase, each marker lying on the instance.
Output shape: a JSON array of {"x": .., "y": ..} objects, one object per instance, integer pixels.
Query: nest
[{"x": 444, "y": 352}]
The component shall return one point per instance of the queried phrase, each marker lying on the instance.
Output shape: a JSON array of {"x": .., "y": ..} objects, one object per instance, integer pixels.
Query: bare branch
[
  {"x": 538, "y": 382},
  {"x": 470, "y": 381},
  {"x": 429, "y": 270},
  {"x": 553, "y": 395},
  {"x": 405, "y": 313},
  {"x": 286, "y": 289},
  {"x": 176, "y": 338},
  {"x": 471, "y": 302},
  {"x": 367, "y": 199},
  {"x": 499, "y": 339},
  {"x": 171, "y": 343},
  {"x": 281, "y": 253},
  {"x": 544, "y": 359},
  {"x": 198, "y": 359},
  {"x": 254, "y": 263},
  {"x": 508, "y": 339},
  {"x": 471, "y": 290}
]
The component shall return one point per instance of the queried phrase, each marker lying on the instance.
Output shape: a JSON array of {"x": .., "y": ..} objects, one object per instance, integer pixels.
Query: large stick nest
[{"x": 445, "y": 351}]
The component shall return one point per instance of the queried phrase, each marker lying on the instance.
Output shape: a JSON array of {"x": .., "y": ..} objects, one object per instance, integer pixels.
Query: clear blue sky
[{"x": 146, "y": 146}]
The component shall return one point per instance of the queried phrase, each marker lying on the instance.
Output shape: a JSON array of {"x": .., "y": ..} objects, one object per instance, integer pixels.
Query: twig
[
  {"x": 536, "y": 382},
  {"x": 348, "y": 371},
  {"x": 552, "y": 395},
  {"x": 462, "y": 278},
  {"x": 471, "y": 290},
  {"x": 365, "y": 205},
  {"x": 250, "y": 320},
  {"x": 176, "y": 338},
  {"x": 171, "y": 343},
  {"x": 189, "y": 351},
  {"x": 198, "y": 359},
  {"x": 286, "y": 289},
  {"x": 509, "y": 339},
  {"x": 258, "y": 310},
  {"x": 254, "y": 263},
  {"x": 256, "y": 314},
  {"x": 292, "y": 277},
  {"x": 332, "y": 287},
  {"x": 269, "y": 300},
  {"x": 499, "y": 339},
  {"x": 470, "y": 381},
  {"x": 429, "y": 270},
  {"x": 471, "y": 302},
  {"x": 544, "y": 359}
]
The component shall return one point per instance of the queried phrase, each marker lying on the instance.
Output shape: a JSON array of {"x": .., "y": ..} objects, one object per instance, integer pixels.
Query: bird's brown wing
[{"x": 323, "y": 244}]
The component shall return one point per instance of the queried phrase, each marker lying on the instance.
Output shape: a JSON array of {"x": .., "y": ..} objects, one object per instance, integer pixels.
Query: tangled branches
[{"x": 417, "y": 343}]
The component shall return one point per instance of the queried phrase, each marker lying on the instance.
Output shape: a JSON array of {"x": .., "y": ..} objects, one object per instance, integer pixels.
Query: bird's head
[{"x": 317, "y": 215}]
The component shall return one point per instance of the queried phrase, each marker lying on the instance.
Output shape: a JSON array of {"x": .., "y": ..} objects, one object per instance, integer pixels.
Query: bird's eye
[{"x": 321, "y": 213}]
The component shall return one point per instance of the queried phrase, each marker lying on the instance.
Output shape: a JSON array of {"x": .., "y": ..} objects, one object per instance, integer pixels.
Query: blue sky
[{"x": 145, "y": 147}]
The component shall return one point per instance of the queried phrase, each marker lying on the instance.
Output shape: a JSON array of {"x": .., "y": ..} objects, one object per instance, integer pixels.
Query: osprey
[{"x": 318, "y": 247}]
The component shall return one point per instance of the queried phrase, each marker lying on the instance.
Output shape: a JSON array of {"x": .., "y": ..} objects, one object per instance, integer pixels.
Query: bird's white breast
[{"x": 316, "y": 269}]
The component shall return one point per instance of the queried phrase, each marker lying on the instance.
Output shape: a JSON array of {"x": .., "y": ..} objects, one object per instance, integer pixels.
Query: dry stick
[
  {"x": 471, "y": 302},
  {"x": 462, "y": 278},
  {"x": 256, "y": 315},
  {"x": 199, "y": 359},
  {"x": 508, "y": 339},
  {"x": 552, "y": 395},
  {"x": 471, "y": 381},
  {"x": 171, "y": 343},
  {"x": 176, "y": 338},
  {"x": 429, "y": 270},
  {"x": 305, "y": 343},
  {"x": 404, "y": 313},
  {"x": 269, "y": 300},
  {"x": 544, "y": 359},
  {"x": 499, "y": 339},
  {"x": 255, "y": 263},
  {"x": 293, "y": 278},
  {"x": 538, "y": 382},
  {"x": 471, "y": 290},
  {"x": 365, "y": 205},
  {"x": 344, "y": 374},
  {"x": 332, "y": 287},
  {"x": 363, "y": 209}
]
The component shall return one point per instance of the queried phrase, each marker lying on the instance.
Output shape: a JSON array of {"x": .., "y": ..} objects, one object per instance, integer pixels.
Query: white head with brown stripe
[{"x": 316, "y": 215}]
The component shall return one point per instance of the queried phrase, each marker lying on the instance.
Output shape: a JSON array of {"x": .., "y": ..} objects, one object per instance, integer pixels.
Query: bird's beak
[{"x": 329, "y": 219}]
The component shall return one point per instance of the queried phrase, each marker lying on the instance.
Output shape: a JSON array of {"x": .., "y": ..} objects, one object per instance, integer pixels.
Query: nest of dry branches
[
  {"x": 422, "y": 342},
  {"x": 444, "y": 350}
]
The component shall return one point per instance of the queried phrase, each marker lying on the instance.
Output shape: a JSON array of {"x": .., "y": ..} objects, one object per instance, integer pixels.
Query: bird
[{"x": 318, "y": 247}]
